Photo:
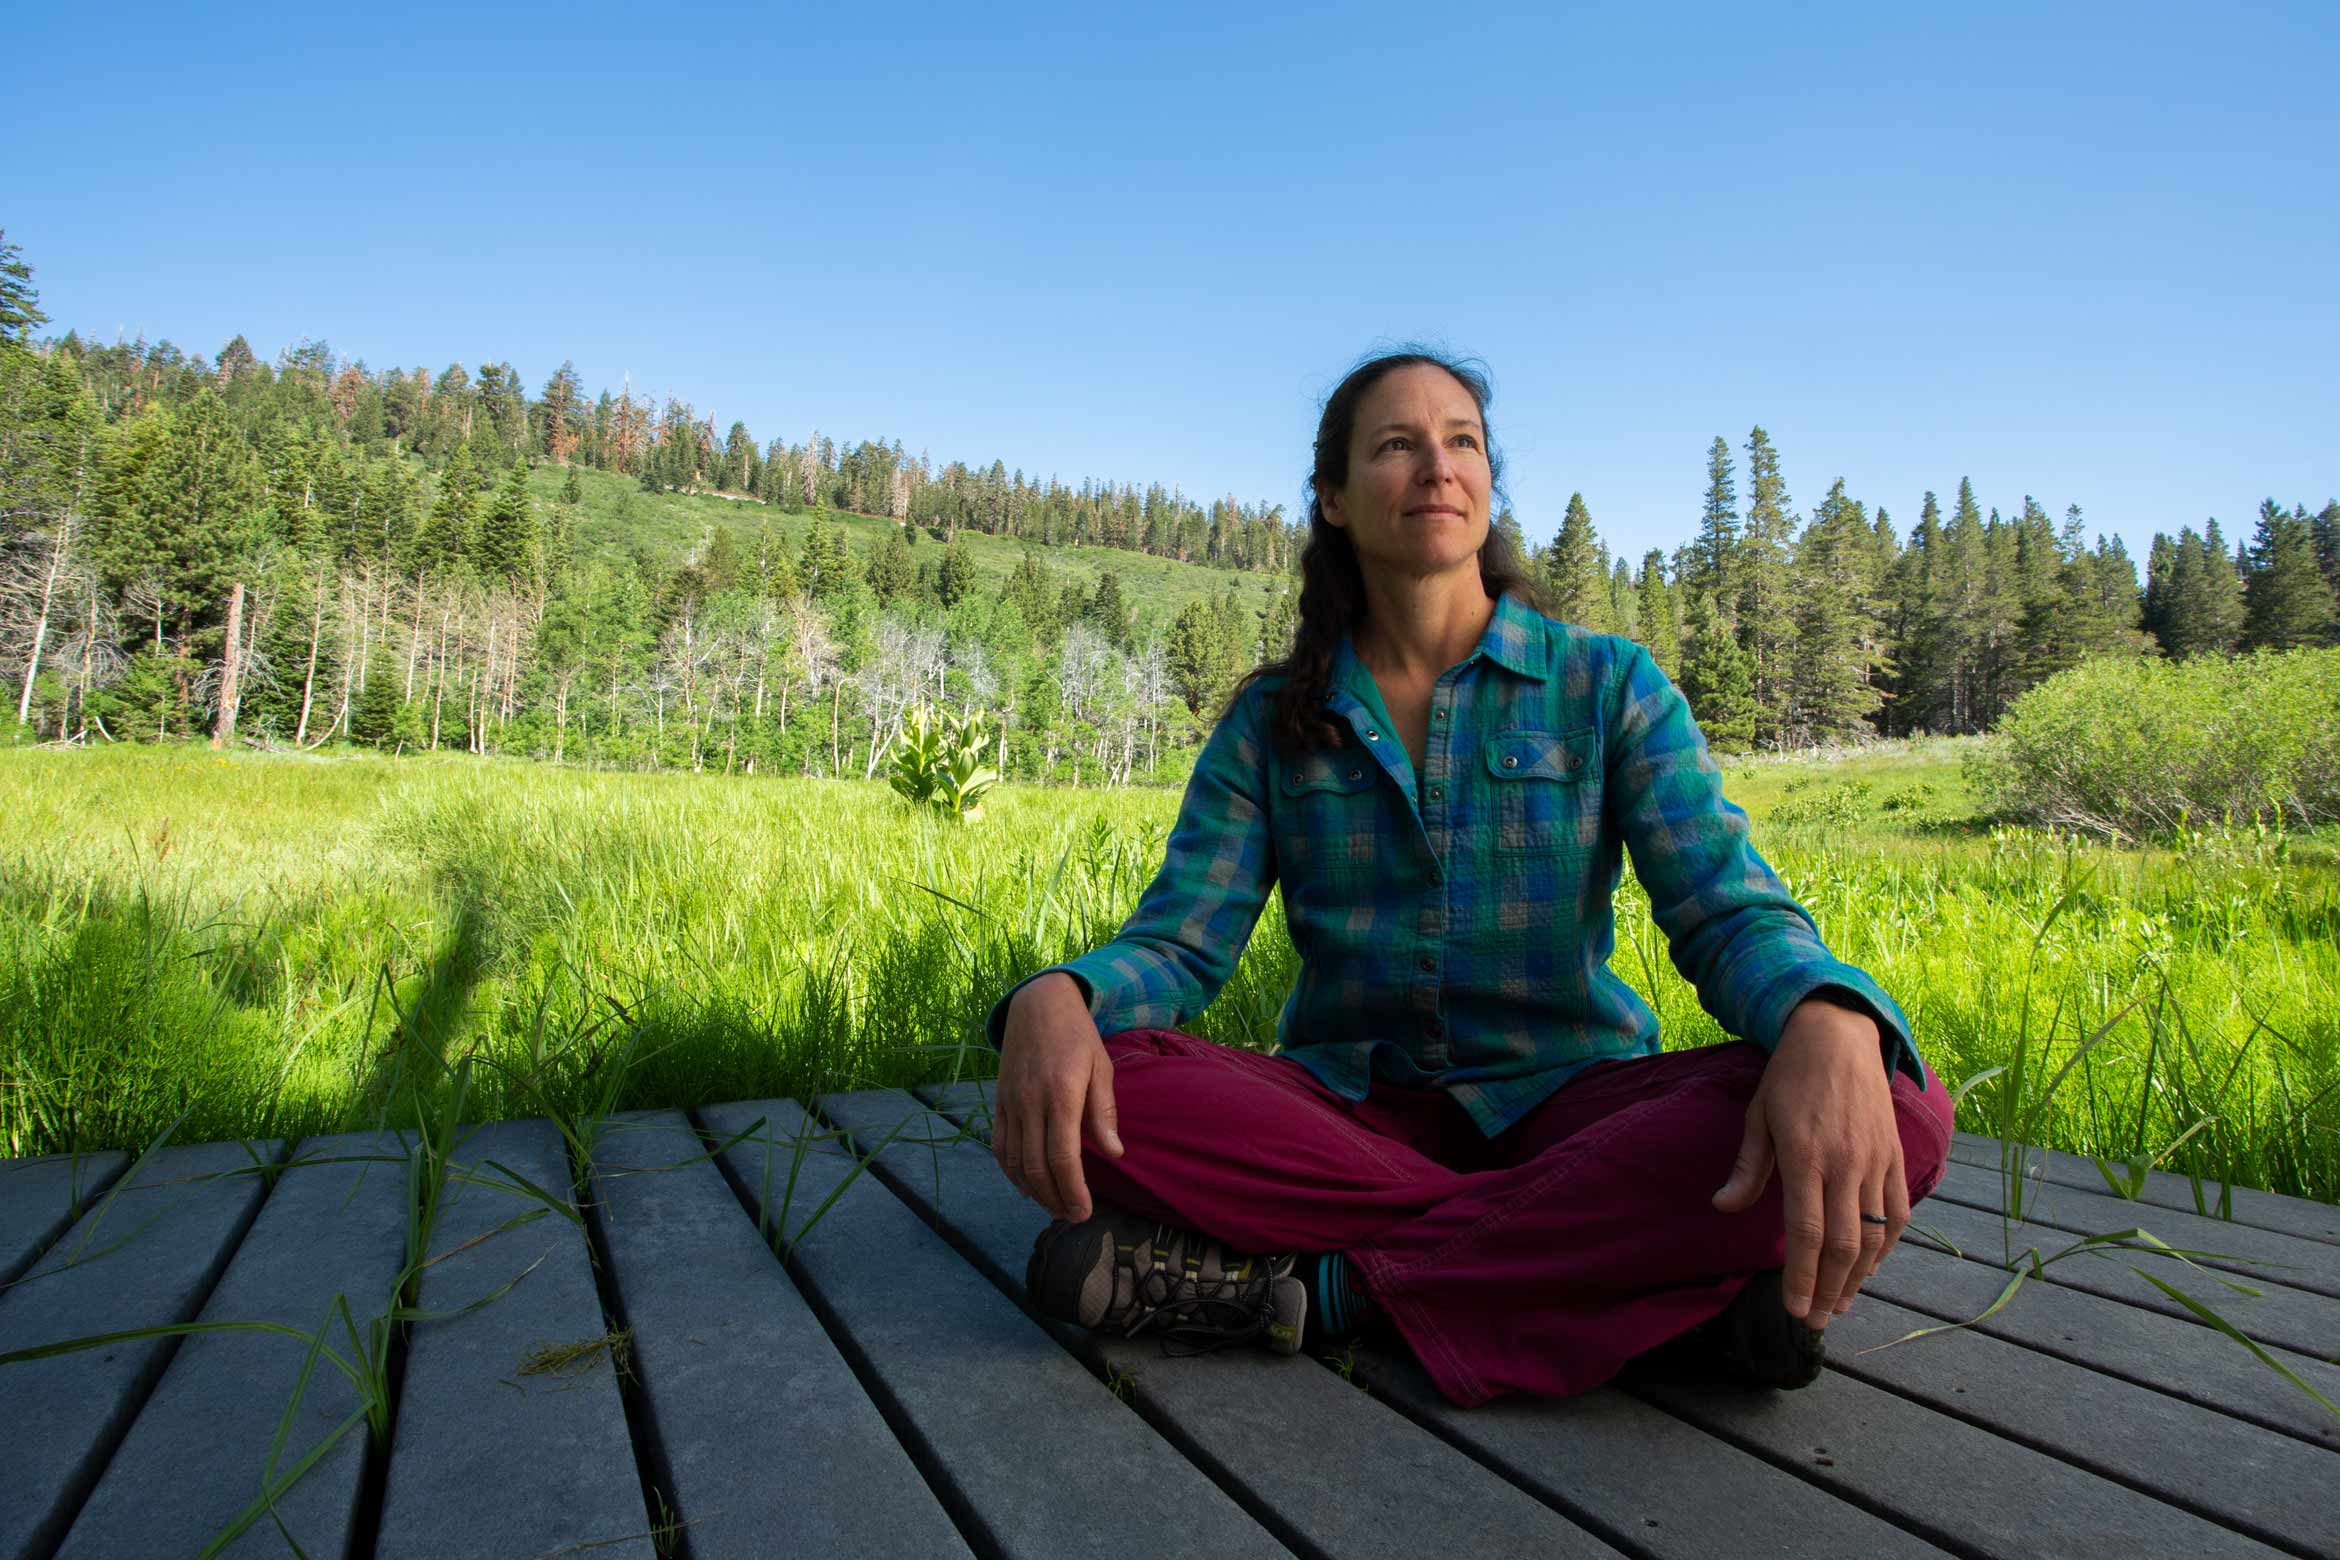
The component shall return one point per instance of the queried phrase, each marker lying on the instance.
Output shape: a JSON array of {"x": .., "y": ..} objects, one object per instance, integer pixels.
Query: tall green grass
[{"x": 263, "y": 945}]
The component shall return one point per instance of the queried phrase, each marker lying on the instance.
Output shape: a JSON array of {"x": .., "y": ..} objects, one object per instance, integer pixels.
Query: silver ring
[{"x": 1875, "y": 1218}]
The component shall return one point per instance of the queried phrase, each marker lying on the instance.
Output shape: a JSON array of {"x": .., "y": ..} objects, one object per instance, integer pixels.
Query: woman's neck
[{"x": 1416, "y": 629}]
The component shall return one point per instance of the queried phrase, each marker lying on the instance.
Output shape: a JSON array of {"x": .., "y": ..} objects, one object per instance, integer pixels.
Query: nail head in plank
[{"x": 1974, "y": 1491}]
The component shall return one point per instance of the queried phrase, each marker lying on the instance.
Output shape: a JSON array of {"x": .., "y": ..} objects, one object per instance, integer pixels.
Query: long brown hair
[{"x": 1332, "y": 585}]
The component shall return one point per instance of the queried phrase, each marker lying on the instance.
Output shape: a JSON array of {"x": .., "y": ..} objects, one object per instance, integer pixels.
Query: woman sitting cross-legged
[{"x": 1468, "y": 1131}]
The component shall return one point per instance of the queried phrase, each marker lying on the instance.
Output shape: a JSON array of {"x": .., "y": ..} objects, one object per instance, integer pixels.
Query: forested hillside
[{"x": 311, "y": 550}]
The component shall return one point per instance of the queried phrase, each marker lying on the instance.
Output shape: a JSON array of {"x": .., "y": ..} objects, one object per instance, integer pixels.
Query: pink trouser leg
[{"x": 1539, "y": 1262}]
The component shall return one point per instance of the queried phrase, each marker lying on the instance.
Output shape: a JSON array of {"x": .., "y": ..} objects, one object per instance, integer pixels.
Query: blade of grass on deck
[
  {"x": 767, "y": 1439},
  {"x": 2181, "y": 1358},
  {"x": 2272, "y": 1486},
  {"x": 2166, "y": 1189},
  {"x": 2261, "y": 1255},
  {"x": 1029, "y": 1452},
  {"x": 1350, "y": 1476},
  {"x": 145, "y": 1258},
  {"x": 1969, "y": 1490},
  {"x": 486, "y": 1460},
  {"x": 334, "y": 1225},
  {"x": 2288, "y": 1318},
  {"x": 40, "y": 1197},
  {"x": 1679, "y": 1492}
]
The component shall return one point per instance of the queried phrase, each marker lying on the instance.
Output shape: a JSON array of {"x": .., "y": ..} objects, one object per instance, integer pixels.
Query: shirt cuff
[{"x": 1847, "y": 987}]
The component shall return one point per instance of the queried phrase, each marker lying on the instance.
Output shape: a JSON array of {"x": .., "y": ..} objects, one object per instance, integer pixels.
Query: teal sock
[{"x": 1337, "y": 1307}]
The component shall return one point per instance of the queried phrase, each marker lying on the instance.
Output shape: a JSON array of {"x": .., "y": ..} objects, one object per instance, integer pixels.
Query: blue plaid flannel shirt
[{"x": 1454, "y": 927}]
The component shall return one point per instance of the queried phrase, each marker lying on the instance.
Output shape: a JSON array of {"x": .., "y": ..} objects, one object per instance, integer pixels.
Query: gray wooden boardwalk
[{"x": 639, "y": 1373}]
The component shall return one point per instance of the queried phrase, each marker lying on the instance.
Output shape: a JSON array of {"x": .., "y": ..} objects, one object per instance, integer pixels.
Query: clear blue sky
[{"x": 2084, "y": 252}]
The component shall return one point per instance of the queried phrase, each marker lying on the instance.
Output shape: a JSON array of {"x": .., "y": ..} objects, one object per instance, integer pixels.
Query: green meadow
[{"x": 269, "y": 945}]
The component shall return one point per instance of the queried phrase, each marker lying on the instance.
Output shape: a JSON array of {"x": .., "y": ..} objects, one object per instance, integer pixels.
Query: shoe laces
[{"x": 1184, "y": 1308}]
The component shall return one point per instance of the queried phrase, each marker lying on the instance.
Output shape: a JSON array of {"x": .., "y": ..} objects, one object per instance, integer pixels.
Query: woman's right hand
[{"x": 1054, "y": 1077}]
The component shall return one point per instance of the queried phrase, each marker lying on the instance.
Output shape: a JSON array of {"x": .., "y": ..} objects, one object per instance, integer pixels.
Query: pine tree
[
  {"x": 2221, "y": 613},
  {"x": 1958, "y": 614},
  {"x": 1766, "y": 623},
  {"x": 20, "y": 301},
  {"x": 504, "y": 548},
  {"x": 954, "y": 579},
  {"x": 2287, "y": 602},
  {"x": 1108, "y": 613},
  {"x": 892, "y": 569},
  {"x": 1716, "y": 680},
  {"x": 1830, "y": 693},
  {"x": 1717, "y": 546},
  {"x": 1572, "y": 572},
  {"x": 447, "y": 533},
  {"x": 1656, "y": 626},
  {"x": 1921, "y": 688},
  {"x": 2327, "y": 535},
  {"x": 2046, "y": 639}
]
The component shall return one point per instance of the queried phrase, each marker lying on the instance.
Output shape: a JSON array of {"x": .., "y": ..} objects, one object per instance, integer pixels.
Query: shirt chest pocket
[
  {"x": 1544, "y": 791},
  {"x": 1326, "y": 818}
]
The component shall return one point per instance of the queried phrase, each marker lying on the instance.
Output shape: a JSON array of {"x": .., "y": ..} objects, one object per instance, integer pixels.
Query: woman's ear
[{"x": 1330, "y": 502}]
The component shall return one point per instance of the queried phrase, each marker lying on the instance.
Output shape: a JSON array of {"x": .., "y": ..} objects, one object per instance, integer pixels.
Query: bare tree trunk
[
  {"x": 49, "y": 578},
  {"x": 560, "y": 720},
  {"x": 413, "y": 639},
  {"x": 439, "y": 679},
  {"x": 836, "y": 698},
  {"x": 309, "y": 681},
  {"x": 224, "y": 732}
]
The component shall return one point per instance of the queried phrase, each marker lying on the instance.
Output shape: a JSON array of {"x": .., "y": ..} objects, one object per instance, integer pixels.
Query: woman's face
[{"x": 1415, "y": 503}]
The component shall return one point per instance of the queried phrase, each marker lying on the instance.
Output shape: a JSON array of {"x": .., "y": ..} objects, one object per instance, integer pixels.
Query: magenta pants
[{"x": 1539, "y": 1261}]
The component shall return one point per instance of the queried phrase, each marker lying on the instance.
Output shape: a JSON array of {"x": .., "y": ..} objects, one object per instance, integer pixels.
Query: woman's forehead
[{"x": 1416, "y": 391}]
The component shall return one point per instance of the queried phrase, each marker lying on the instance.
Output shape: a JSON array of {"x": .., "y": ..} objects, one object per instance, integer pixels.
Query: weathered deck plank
[
  {"x": 1619, "y": 1459},
  {"x": 1969, "y": 1489},
  {"x": 2275, "y": 1487},
  {"x": 1031, "y": 1451},
  {"x": 766, "y": 1437},
  {"x": 888, "y": 1391},
  {"x": 1359, "y": 1482},
  {"x": 40, "y": 1199},
  {"x": 334, "y": 1225},
  {"x": 2150, "y": 1348},
  {"x": 2165, "y": 1189},
  {"x": 2297, "y": 1263},
  {"x": 147, "y": 1260},
  {"x": 483, "y": 1459},
  {"x": 2290, "y": 1318}
]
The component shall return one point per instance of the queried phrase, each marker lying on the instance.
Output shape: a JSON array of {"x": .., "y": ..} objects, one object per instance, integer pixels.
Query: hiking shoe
[
  {"x": 1755, "y": 1341},
  {"x": 1121, "y": 1273}
]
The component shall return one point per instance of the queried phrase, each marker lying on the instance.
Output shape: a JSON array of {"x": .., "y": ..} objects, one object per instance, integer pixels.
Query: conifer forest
[{"x": 306, "y": 549}]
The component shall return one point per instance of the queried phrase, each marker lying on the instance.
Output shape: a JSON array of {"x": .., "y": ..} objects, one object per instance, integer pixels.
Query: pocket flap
[
  {"x": 1540, "y": 755},
  {"x": 1335, "y": 771}
]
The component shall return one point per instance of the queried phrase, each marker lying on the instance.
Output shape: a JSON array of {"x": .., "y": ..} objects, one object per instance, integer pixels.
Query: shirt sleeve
[
  {"x": 1182, "y": 942},
  {"x": 1732, "y": 928}
]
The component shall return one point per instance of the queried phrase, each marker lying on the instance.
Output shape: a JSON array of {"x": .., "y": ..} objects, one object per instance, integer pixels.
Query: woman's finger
[
  {"x": 1840, "y": 1247},
  {"x": 1062, "y": 1161},
  {"x": 1803, "y": 1204},
  {"x": 1872, "y": 1240}
]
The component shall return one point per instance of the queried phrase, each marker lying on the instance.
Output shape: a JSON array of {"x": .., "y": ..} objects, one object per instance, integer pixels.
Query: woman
[{"x": 1469, "y": 1130}]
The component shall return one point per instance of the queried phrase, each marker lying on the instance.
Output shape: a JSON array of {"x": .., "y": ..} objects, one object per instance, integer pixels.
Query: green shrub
[{"x": 2135, "y": 748}]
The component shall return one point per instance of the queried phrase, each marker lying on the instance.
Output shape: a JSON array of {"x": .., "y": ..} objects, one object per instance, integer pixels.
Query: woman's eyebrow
[{"x": 1407, "y": 427}]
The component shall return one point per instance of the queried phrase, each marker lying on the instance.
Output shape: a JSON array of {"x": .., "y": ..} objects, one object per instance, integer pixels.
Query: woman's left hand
[{"x": 1824, "y": 1114}]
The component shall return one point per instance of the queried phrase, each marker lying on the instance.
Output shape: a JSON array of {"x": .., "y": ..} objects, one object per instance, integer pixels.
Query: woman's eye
[
  {"x": 1466, "y": 439},
  {"x": 1386, "y": 443}
]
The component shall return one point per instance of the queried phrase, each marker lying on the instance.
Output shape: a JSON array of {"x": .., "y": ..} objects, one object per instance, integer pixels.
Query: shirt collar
[{"x": 1514, "y": 640}]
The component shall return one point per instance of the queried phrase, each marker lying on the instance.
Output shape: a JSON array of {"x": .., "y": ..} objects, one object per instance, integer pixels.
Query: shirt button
[
  {"x": 1356, "y": 774},
  {"x": 1429, "y": 966},
  {"x": 1371, "y": 735},
  {"x": 1436, "y": 794},
  {"x": 1439, "y": 713},
  {"x": 1511, "y": 760}
]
